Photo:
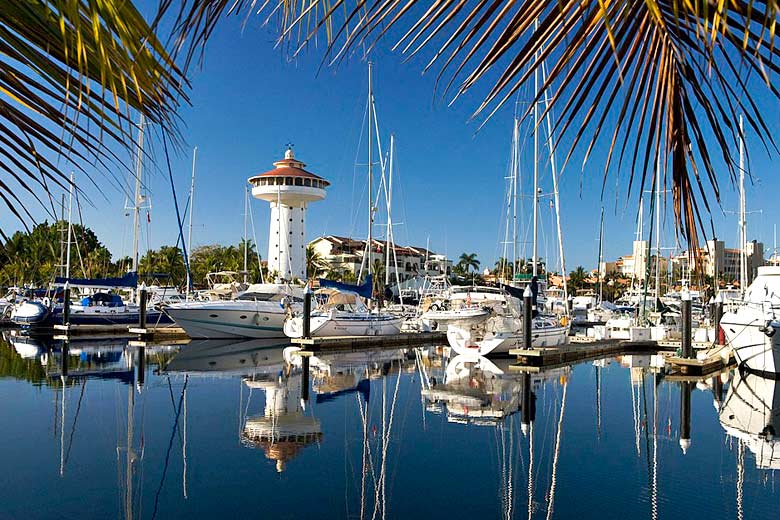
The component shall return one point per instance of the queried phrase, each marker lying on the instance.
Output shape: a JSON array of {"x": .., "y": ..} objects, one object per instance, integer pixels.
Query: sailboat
[
  {"x": 341, "y": 311},
  {"x": 96, "y": 308},
  {"x": 503, "y": 331}
]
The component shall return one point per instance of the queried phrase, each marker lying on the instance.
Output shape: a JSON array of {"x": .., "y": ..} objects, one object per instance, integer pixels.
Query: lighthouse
[{"x": 289, "y": 189}]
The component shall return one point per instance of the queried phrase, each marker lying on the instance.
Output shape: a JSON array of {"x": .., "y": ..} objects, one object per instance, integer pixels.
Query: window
[
  {"x": 307, "y": 182},
  {"x": 288, "y": 181},
  {"x": 298, "y": 181}
]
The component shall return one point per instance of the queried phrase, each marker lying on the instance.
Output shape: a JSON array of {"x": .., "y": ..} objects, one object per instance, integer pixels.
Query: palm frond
[
  {"x": 653, "y": 79},
  {"x": 73, "y": 74}
]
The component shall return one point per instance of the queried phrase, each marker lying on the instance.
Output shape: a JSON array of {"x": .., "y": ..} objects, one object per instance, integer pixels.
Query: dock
[
  {"x": 574, "y": 353},
  {"x": 715, "y": 359},
  {"x": 411, "y": 339}
]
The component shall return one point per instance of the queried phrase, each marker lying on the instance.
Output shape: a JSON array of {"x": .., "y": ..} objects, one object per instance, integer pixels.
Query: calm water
[{"x": 219, "y": 429}]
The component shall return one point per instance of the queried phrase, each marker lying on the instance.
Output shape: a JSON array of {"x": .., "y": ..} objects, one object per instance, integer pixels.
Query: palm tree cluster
[{"x": 38, "y": 256}]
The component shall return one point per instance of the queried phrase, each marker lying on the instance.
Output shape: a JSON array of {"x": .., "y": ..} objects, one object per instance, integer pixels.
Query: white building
[
  {"x": 289, "y": 189},
  {"x": 347, "y": 254}
]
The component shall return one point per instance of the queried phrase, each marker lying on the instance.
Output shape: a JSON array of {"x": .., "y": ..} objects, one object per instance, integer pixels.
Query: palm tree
[
  {"x": 577, "y": 277},
  {"x": 315, "y": 264},
  {"x": 652, "y": 80},
  {"x": 467, "y": 261}
]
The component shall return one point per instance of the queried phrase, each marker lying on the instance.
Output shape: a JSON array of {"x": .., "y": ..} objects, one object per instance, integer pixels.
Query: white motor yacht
[
  {"x": 258, "y": 312},
  {"x": 751, "y": 329}
]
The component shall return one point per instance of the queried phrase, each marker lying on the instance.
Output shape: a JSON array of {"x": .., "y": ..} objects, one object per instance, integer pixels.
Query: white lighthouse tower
[{"x": 289, "y": 189}]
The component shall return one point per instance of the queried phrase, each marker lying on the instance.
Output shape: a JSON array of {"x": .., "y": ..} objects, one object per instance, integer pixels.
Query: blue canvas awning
[
  {"x": 364, "y": 290},
  {"x": 129, "y": 280}
]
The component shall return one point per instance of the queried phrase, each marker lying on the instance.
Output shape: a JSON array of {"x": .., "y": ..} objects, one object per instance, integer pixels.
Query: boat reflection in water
[{"x": 751, "y": 414}]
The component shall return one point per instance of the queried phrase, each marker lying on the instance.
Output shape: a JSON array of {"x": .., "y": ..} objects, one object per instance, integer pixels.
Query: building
[
  {"x": 723, "y": 263},
  {"x": 346, "y": 254},
  {"x": 289, "y": 189}
]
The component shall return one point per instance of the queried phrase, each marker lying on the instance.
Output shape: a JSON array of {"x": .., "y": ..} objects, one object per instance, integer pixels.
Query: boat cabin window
[{"x": 267, "y": 297}]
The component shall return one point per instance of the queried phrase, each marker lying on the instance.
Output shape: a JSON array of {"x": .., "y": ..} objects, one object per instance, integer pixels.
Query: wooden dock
[
  {"x": 410, "y": 339},
  {"x": 574, "y": 353},
  {"x": 77, "y": 330},
  {"x": 717, "y": 359}
]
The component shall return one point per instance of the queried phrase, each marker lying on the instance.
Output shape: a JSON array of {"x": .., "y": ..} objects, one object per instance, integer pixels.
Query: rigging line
[
  {"x": 257, "y": 247},
  {"x": 553, "y": 479},
  {"x": 75, "y": 418},
  {"x": 168, "y": 453},
  {"x": 83, "y": 237},
  {"x": 179, "y": 220},
  {"x": 173, "y": 403}
]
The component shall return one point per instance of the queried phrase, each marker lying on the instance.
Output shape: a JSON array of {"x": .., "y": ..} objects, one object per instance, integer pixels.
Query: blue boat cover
[
  {"x": 128, "y": 280},
  {"x": 364, "y": 290},
  {"x": 363, "y": 387}
]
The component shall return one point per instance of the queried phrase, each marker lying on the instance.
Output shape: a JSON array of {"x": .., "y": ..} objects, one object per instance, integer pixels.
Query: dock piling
[
  {"x": 527, "y": 317},
  {"x": 686, "y": 340},
  {"x": 718, "y": 315},
  {"x": 305, "y": 379},
  {"x": 142, "y": 304},
  {"x": 307, "y": 313},
  {"x": 685, "y": 415},
  {"x": 66, "y": 305}
]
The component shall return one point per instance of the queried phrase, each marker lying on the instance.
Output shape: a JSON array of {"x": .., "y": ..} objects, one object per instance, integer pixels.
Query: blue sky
[{"x": 248, "y": 101}]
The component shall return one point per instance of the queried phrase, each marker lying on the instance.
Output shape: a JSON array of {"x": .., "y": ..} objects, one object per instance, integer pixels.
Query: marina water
[{"x": 224, "y": 430}]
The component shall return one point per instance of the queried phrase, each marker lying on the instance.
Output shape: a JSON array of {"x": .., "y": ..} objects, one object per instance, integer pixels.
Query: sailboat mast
[
  {"x": 70, "y": 228},
  {"x": 370, "y": 169},
  {"x": 137, "y": 196},
  {"x": 658, "y": 228},
  {"x": 390, "y": 239},
  {"x": 192, "y": 208},
  {"x": 536, "y": 168},
  {"x": 556, "y": 197},
  {"x": 246, "y": 212},
  {"x": 743, "y": 274},
  {"x": 515, "y": 159},
  {"x": 601, "y": 256}
]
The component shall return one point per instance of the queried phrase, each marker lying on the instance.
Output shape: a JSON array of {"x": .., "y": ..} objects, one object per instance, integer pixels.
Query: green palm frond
[
  {"x": 72, "y": 75},
  {"x": 651, "y": 79}
]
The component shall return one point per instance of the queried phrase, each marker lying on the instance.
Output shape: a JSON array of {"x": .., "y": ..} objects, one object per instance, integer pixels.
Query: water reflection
[
  {"x": 522, "y": 443},
  {"x": 751, "y": 414}
]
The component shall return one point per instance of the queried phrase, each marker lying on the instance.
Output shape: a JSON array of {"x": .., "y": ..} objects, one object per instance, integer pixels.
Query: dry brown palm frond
[
  {"x": 652, "y": 79},
  {"x": 73, "y": 74}
]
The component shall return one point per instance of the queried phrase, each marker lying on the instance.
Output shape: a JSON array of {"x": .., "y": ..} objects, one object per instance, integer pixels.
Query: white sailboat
[
  {"x": 341, "y": 312},
  {"x": 503, "y": 331}
]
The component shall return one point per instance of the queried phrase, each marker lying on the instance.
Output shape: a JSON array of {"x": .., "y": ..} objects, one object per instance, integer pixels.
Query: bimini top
[{"x": 290, "y": 167}]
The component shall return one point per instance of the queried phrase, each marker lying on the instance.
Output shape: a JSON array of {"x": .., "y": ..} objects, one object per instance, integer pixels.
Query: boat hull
[
  {"x": 464, "y": 342},
  {"x": 320, "y": 326},
  {"x": 754, "y": 339},
  {"x": 213, "y": 320}
]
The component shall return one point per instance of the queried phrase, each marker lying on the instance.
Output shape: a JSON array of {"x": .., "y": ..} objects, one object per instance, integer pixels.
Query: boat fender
[
  {"x": 564, "y": 321},
  {"x": 46, "y": 301}
]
